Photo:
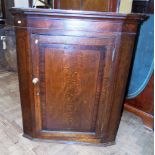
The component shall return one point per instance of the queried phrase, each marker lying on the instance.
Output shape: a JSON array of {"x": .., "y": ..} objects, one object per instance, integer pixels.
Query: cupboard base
[{"x": 70, "y": 141}]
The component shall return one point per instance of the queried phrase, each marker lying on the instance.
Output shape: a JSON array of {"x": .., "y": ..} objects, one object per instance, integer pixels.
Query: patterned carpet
[{"x": 132, "y": 138}]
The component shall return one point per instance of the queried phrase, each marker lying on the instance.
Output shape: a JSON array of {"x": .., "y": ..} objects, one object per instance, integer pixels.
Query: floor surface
[{"x": 132, "y": 138}]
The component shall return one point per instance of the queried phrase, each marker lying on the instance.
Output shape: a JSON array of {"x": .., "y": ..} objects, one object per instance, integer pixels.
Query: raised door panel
[
  {"x": 70, "y": 87},
  {"x": 71, "y": 71}
]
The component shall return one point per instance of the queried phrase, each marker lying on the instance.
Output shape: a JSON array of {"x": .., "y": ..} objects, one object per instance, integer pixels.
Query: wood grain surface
[{"x": 91, "y": 5}]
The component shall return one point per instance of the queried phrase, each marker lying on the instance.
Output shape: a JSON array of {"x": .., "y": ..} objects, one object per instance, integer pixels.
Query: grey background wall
[
  {"x": 8, "y": 56},
  {"x": 8, "y": 59}
]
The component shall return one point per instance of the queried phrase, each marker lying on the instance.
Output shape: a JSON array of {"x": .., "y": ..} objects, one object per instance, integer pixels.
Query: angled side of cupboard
[{"x": 73, "y": 69}]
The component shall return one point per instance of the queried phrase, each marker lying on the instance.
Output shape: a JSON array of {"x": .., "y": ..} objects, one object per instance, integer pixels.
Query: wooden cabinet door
[{"x": 71, "y": 71}]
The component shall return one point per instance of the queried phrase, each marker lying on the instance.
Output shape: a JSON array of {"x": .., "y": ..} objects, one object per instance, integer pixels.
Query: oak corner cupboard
[{"x": 73, "y": 69}]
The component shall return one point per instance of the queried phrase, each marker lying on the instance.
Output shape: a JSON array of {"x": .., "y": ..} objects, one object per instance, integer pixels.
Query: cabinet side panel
[
  {"x": 24, "y": 73},
  {"x": 121, "y": 67}
]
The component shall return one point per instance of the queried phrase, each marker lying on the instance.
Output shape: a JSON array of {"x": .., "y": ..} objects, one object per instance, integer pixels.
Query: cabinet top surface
[{"x": 81, "y": 14}]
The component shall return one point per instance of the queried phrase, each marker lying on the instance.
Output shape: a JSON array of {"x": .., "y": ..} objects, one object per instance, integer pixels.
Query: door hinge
[{"x": 113, "y": 54}]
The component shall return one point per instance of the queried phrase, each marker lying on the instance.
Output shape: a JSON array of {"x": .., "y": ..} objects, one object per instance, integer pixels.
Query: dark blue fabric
[{"x": 143, "y": 61}]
